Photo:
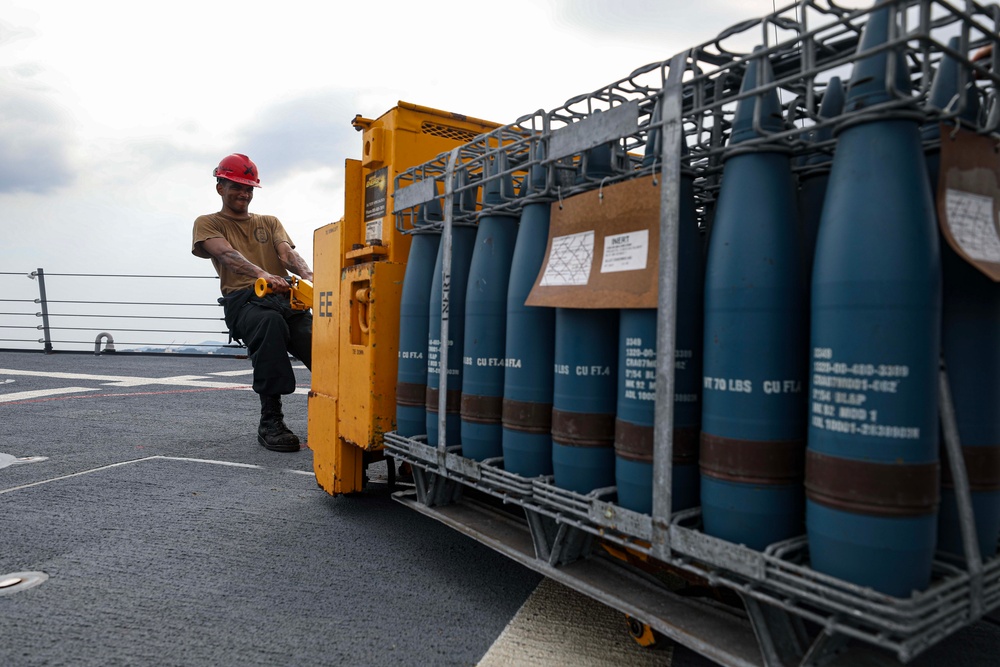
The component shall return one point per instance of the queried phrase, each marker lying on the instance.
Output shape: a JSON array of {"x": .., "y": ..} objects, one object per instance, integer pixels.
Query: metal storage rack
[{"x": 792, "y": 614}]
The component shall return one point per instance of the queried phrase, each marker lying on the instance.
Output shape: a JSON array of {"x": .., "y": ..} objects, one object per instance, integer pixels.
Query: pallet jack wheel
[{"x": 644, "y": 635}]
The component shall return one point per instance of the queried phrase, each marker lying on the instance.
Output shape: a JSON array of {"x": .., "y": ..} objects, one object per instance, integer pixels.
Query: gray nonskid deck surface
[
  {"x": 172, "y": 538},
  {"x": 172, "y": 561}
]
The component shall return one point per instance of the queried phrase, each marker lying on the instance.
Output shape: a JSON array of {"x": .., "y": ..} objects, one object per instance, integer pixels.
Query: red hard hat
[{"x": 239, "y": 169}]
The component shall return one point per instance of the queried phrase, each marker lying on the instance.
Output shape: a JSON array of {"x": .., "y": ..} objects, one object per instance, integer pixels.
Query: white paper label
[
  {"x": 626, "y": 252},
  {"x": 970, "y": 218},
  {"x": 569, "y": 260},
  {"x": 373, "y": 230}
]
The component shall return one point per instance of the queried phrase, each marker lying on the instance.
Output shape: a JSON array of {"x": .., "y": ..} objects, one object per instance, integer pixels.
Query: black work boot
[{"x": 272, "y": 432}]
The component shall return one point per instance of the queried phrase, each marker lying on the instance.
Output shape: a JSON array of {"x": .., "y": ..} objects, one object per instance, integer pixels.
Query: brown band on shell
[{"x": 867, "y": 487}]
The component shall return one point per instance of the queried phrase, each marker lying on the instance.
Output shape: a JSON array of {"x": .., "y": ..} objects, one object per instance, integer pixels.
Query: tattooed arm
[
  {"x": 233, "y": 260},
  {"x": 293, "y": 261}
]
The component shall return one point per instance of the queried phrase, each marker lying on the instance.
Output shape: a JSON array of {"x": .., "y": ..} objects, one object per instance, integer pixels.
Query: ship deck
[{"x": 147, "y": 526}]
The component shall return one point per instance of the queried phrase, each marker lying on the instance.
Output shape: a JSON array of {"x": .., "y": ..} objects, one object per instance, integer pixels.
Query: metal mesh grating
[{"x": 448, "y": 132}]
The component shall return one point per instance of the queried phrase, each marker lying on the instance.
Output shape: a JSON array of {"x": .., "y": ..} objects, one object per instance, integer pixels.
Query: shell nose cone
[
  {"x": 833, "y": 99},
  {"x": 945, "y": 92},
  {"x": 766, "y": 106},
  {"x": 831, "y": 107},
  {"x": 429, "y": 213},
  {"x": 870, "y": 79}
]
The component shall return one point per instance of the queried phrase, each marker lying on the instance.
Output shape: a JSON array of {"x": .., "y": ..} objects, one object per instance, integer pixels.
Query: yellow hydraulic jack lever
[{"x": 301, "y": 296}]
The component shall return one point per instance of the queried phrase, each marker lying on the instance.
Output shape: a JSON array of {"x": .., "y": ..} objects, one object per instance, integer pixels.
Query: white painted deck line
[
  {"x": 41, "y": 393},
  {"x": 182, "y": 459},
  {"x": 121, "y": 381},
  {"x": 201, "y": 381}
]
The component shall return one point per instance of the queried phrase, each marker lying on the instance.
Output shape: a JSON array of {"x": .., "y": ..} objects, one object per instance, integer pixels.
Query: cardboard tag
[
  {"x": 603, "y": 249},
  {"x": 968, "y": 198}
]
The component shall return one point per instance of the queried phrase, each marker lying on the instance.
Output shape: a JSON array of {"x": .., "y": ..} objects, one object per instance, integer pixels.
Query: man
[{"x": 243, "y": 247}]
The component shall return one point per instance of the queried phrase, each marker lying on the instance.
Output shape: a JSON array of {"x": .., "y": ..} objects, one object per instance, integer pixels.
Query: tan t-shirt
[{"x": 256, "y": 239}]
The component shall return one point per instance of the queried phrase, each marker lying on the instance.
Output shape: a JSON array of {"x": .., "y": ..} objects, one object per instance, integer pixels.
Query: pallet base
[{"x": 715, "y": 632}]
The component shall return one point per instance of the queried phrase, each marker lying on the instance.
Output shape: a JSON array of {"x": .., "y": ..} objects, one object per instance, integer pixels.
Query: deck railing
[{"x": 102, "y": 313}]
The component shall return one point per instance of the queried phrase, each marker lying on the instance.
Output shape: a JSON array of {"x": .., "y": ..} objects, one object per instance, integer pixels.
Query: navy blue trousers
[{"x": 271, "y": 330}]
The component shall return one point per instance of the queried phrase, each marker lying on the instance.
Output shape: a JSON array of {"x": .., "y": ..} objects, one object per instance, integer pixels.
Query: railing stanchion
[{"x": 40, "y": 274}]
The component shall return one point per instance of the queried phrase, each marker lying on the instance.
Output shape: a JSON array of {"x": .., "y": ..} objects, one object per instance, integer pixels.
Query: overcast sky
[{"x": 113, "y": 113}]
